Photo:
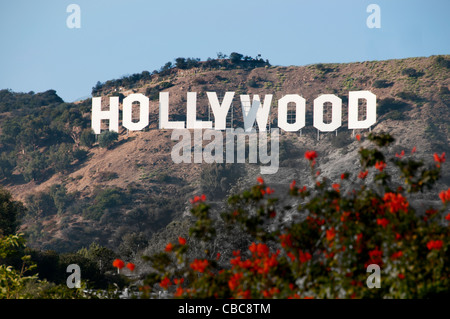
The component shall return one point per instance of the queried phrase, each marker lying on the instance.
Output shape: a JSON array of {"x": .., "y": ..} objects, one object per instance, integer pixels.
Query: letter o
[
  {"x": 128, "y": 109},
  {"x": 336, "y": 113},
  {"x": 300, "y": 112}
]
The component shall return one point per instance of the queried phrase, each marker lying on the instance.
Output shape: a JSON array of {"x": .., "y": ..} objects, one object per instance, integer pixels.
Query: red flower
[
  {"x": 401, "y": 276},
  {"x": 131, "y": 266},
  {"x": 261, "y": 249},
  {"x": 179, "y": 292},
  {"x": 336, "y": 187},
  {"x": 260, "y": 180},
  {"x": 397, "y": 255},
  {"x": 376, "y": 253},
  {"x": 400, "y": 155},
  {"x": 118, "y": 263},
  {"x": 439, "y": 159},
  {"x": 330, "y": 255},
  {"x": 380, "y": 165},
  {"x": 233, "y": 283},
  {"x": 286, "y": 240},
  {"x": 359, "y": 237},
  {"x": 182, "y": 241},
  {"x": 304, "y": 257},
  {"x": 344, "y": 216},
  {"x": 199, "y": 265},
  {"x": 310, "y": 155},
  {"x": 383, "y": 222},
  {"x": 272, "y": 291},
  {"x": 292, "y": 186},
  {"x": 434, "y": 244},
  {"x": 430, "y": 211},
  {"x": 358, "y": 137},
  {"x": 178, "y": 281},
  {"x": 344, "y": 175},
  {"x": 395, "y": 202},
  {"x": 291, "y": 255},
  {"x": 331, "y": 233},
  {"x": 375, "y": 257},
  {"x": 197, "y": 199},
  {"x": 447, "y": 217},
  {"x": 165, "y": 283},
  {"x": 363, "y": 175},
  {"x": 169, "y": 247},
  {"x": 244, "y": 294},
  {"x": 268, "y": 263},
  {"x": 445, "y": 195},
  {"x": 218, "y": 256},
  {"x": 302, "y": 190},
  {"x": 413, "y": 150}
]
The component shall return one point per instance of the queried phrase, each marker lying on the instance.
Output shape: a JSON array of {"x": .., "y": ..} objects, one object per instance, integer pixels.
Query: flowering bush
[{"x": 322, "y": 250}]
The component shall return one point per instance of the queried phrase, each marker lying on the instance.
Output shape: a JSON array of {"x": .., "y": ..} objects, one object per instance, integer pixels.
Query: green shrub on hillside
[
  {"x": 411, "y": 72},
  {"x": 411, "y": 96},
  {"x": 443, "y": 62},
  {"x": 106, "y": 199},
  {"x": 107, "y": 138},
  {"x": 215, "y": 179},
  {"x": 87, "y": 137},
  {"x": 11, "y": 212},
  {"x": 390, "y": 104},
  {"x": 382, "y": 84}
]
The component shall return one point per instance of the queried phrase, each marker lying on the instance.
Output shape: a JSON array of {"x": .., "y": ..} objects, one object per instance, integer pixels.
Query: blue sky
[{"x": 117, "y": 37}]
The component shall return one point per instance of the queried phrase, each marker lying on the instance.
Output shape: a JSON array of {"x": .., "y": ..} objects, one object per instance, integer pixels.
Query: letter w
[{"x": 254, "y": 111}]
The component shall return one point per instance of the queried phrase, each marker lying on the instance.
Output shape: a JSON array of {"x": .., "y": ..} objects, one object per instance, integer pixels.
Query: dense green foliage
[
  {"x": 381, "y": 84},
  {"x": 37, "y": 122},
  {"x": 10, "y": 101},
  {"x": 216, "y": 179},
  {"x": 87, "y": 137},
  {"x": 236, "y": 60},
  {"x": 10, "y": 213},
  {"x": 107, "y": 138},
  {"x": 31, "y": 273}
]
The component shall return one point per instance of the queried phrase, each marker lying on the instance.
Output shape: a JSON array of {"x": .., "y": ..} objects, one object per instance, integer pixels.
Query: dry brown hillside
[{"x": 413, "y": 106}]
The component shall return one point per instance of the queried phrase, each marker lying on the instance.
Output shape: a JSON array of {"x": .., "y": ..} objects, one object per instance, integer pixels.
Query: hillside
[{"x": 121, "y": 196}]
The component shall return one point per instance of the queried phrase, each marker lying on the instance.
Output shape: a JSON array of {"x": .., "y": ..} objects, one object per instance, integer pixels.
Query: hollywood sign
[{"x": 252, "y": 110}]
